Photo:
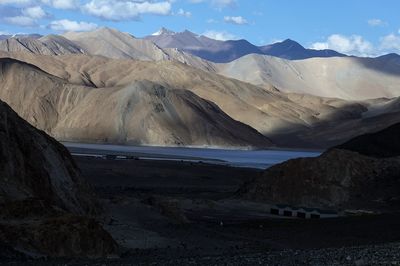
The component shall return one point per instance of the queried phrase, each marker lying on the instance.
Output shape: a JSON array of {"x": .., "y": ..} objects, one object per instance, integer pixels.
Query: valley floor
[{"x": 185, "y": 213}]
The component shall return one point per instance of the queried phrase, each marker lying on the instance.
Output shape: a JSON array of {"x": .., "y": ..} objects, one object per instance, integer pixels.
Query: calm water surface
[{"x": 240, "y": 158}]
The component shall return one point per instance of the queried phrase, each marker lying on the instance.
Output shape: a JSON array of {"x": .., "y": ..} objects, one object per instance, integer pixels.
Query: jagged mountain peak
[{"x": 163, "y": 31}]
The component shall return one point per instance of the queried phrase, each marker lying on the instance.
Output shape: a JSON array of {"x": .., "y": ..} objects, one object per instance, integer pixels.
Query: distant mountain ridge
[
  {"x": 226, "y": 51},
  {"x": 175, "y": 45},
  {"x": 292, "y": 50},
  {"x": 209, "y": 49}
]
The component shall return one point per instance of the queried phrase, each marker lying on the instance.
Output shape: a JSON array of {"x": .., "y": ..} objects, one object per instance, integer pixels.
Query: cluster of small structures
[
  {"x": 107, "y": 156},
  {"x": 302, "y": 212},
  {"x": 119, "y": 157}
]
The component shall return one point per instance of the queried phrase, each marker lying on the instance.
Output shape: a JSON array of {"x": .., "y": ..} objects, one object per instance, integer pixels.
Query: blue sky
[{"x": 360, "y": 27}]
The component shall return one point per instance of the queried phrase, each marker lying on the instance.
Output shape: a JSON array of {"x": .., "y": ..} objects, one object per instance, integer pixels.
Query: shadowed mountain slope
[
  {"x": 36, "y": 166},
  {"x": 45, "y": 204},
  {"x": 348, "y": 176},
  {"x": 382, "y": 144}
]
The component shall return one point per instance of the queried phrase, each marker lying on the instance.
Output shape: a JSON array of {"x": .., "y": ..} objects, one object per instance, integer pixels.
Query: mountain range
[
  {"x": 215, "y": 51},
  {"x": 60, "y": 83},
  {"x": 226, "y": 51}
]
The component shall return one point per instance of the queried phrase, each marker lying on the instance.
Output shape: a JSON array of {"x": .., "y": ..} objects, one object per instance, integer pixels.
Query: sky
[{"x": 357, "y": 27}]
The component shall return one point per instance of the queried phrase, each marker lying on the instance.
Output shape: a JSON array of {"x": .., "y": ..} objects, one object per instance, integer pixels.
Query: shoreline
[
  {"x": 260, "y": 159},
  {"x": 196, "y": 147}
]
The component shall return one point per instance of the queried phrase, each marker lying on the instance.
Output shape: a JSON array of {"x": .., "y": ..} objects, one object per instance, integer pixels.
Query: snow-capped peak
[{"x": 163, "y": 31}]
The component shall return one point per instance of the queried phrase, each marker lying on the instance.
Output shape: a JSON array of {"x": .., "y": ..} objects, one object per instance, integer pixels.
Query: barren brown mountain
[
  {"x": 288, "y": 119},
  {"x": 349, "y": 78},
  {"x": 114, "y": 44},
  {"x": 136, "y": 112}
]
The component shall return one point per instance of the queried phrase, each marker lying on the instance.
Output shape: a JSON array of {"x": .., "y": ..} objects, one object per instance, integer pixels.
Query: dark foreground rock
[
  {"x": 359, "y": 256},
  {"x": 62, "y": 236},
  {"x": 386, "y": 254},
  {"x": 363, "y": 173},
  {"x": 45, "y": 205}
]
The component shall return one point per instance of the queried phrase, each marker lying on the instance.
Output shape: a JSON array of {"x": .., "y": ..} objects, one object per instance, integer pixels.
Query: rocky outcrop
[
  {"x": 363, "y": 173},
  {"x": 33, "y": 165},
  {"x": 45, "y": 205}
]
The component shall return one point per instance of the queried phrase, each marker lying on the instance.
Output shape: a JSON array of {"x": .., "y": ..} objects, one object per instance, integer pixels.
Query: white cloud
[
  {"x": 376, "y": 22},
  {"x": 354, "y": 44},
  {"x": 26, "y": 17},
  {"x": 69, "y": 25},
  {"x": 223, "y": 3},
  {"x": 390, "y": 43},
  {"x": 217, "y": 3},
  {"x": 357, "y": 45},
  {"x": 220, "y": 35},
  {"x": 126, "y": 10},
  {"x": 239, "y": 20},
  {"x": 35, "y": 12},
  {"x": 320, "y": 46},
  {"x": 62, "y": 4},
  {"x": 22, "y": 21},
  {"x": 58, "y": 4},
  {"x": 184, "y": 13},
  {"x": 16, "y": 2}
]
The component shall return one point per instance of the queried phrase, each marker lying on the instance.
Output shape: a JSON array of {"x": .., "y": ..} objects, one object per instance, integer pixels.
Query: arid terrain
[
  {"x": 176, "y": 107},
  {"x": 71, "y": 205}
]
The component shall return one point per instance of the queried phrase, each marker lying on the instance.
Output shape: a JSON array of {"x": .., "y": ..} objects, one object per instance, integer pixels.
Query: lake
[{"x": 237, "y": 158}]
